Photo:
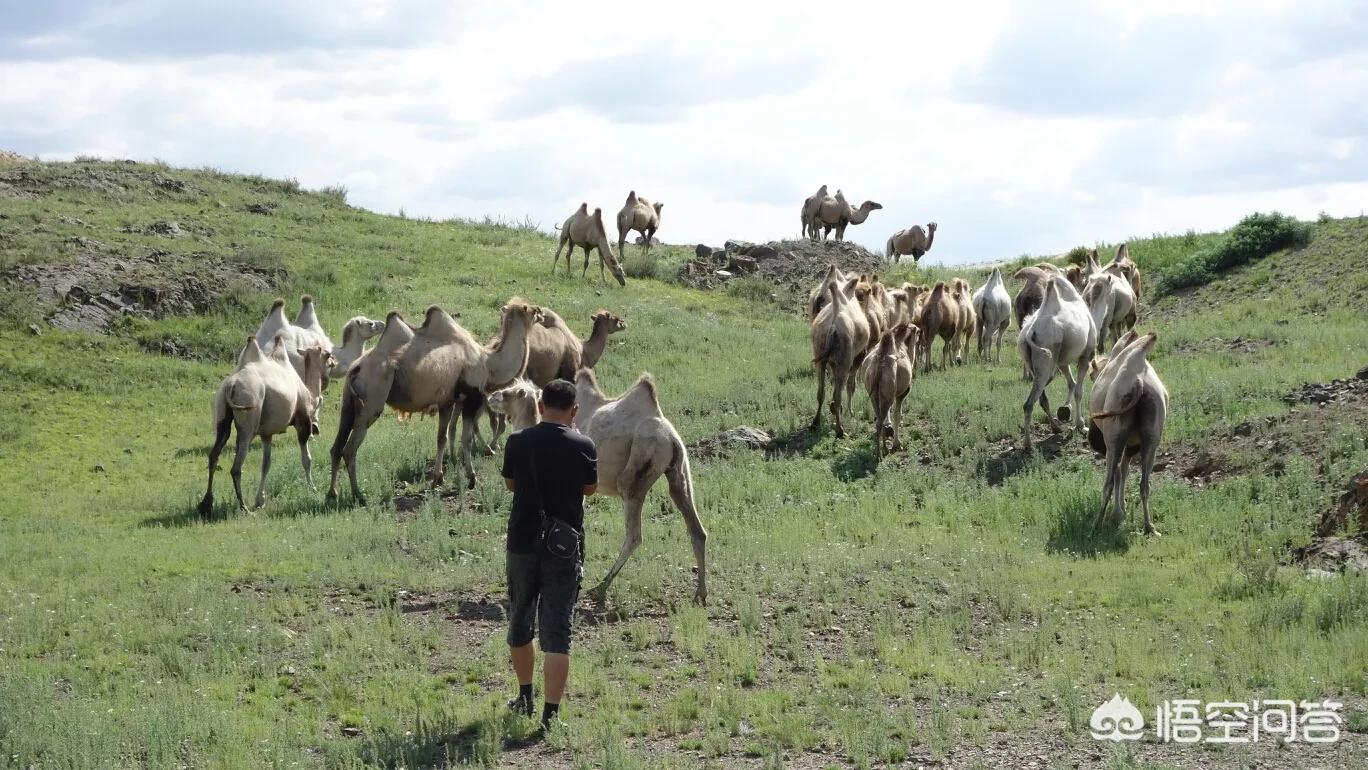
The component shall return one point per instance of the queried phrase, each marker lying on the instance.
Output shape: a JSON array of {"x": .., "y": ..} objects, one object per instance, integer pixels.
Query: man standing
[{"x": 550, "y": 469}]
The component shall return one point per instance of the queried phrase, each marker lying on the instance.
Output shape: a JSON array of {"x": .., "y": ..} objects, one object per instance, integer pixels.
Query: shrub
[
  {"x": 641, "y": 265},
  {"x": 750, "y": 288},
  {"x": 337, "y": 192},
  {"x": 1076, "y": 256},
  {"x": 1255, "y": 237}
]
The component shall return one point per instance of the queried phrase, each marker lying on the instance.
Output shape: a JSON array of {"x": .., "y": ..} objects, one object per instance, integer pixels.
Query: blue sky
[{"x": 1018, "y": 127}]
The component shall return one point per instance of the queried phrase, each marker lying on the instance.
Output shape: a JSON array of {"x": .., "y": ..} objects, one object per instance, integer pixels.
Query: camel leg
[
  {"x": 351, "y": 432},
  {"x": 897, "y": 423},
  {"x": 439, "y": 460},
  {"x": 1037, "y": 393},
  {"x": 244, "y": 442},
  {"x": 353, "y": 445},
  {"x": 1123, "y": 471},
  {"x": 1147, "y": 453},
  {"x": 305, "y": 459},
  {"x": 1108, "y": 486},
  {"x": 631, "y": 511},
  {"x": 838, "y": 380},
  {"x": 345, "y": 424},
  {"x": 265, "y": 469},
  {"x": 680, "y": 481},
  {"x": 467, "y": 453},
  {"x": 497, "y": 425},
  {"x": 821, "y": 394},
  {"x": 221, "y": 433},
  {"x": 555, "y": 261}
]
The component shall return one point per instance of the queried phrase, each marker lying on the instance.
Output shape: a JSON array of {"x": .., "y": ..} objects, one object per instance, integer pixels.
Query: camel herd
[
  {"x": 440, "y": 368},
  {"x": 863, "y": 331}
]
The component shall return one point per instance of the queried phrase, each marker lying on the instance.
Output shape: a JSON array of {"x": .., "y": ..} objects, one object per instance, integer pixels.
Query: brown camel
[
  {"x": 940, "y": 317},
  {"x": 835, "y": 213},
  {"x": 840, "y": 336},
  {"x": 640, "y": 215},
  {"x": 914, "y": 241},
  {"x": 586, "y": 231}
]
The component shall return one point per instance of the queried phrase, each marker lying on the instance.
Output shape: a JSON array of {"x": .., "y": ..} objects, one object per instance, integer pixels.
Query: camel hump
[
  {"x": 598, "y": 213},
  {"x": 646, "y": 384},
  {"x": 584, "y": 207},
  {"x": 306, "y": 299},
  {"x": 278, "y": 303},
  {"x": 632, "y": 196}
]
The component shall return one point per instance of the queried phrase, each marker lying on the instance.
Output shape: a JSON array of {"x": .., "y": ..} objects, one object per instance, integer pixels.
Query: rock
[
  {"x": 742, "y": 436},
  {"x": 703, "y": 251},
  {"x": 743, "y": 265},
  {"x": 640, "y": 240},
  {"x": 351, "y": 732},
  {"x": 1362, "y": 374},
  {"x": 762, "y": 252},
  {"x": 266, "y": 208},
  {"x": 723, "y": 274},
  {"x": 73, "y": 221},
  {"x": 738, "y": 247},
  {"x": 1351, "y": 513}
]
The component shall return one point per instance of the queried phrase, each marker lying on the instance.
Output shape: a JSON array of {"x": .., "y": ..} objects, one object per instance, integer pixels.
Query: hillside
[{"x": 948, "y": 606}]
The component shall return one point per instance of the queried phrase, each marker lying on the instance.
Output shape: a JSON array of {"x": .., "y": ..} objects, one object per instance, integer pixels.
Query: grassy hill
[{"x": 946, "y": 606}]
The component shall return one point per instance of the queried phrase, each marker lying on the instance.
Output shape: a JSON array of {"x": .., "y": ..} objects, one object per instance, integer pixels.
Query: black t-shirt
[{"x": 566, "y": 462}]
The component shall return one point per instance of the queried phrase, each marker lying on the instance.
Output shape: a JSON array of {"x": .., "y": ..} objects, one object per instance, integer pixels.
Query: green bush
[
  {"x": 750, "y": 288},
  {"x": 1255, "y": 237},
  {"x": 1077, "y": 256},
  {"x": 641, "y": 265}
]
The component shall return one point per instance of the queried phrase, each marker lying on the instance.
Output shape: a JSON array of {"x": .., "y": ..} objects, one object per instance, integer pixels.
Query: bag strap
[{"x": 536, "y": 486}]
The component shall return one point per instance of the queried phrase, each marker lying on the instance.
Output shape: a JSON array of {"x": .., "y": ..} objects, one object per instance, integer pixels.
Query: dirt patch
[
  {"x": 1264, "y": 445},
  {"x": 92, "y": 291},
  {"x": 740, "y": 437},
  {"x": 31, "y": 180},
  {"x": 1334, "y": 554},
  {"x": 790, "y": 265},
  {"x": 7, "y": 158},
  {"x": 1219, "y": 345}
]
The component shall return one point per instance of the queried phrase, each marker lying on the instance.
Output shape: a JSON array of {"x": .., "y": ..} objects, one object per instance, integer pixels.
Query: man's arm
[
  {"x": 511, "y": 457},
  {"x": 590, "y": 470}
]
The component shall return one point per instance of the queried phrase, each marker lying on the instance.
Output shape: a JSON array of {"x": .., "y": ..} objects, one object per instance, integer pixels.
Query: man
[{"x": 550, "y": 468}]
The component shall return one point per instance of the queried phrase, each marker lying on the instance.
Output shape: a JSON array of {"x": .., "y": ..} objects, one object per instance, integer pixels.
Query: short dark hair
[{"x": 558, "y": 394}]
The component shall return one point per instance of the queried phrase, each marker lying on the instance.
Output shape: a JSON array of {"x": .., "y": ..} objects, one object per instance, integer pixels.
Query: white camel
[
  {"x": 1128, "y": 408},
  {"x": 1112, "y": 304},
  {"x": 1057, "y": 336},
  {"x": 993, "y": 307},
  {"x": 354, "y": 335},
  {"x": 264, "y": 397}
]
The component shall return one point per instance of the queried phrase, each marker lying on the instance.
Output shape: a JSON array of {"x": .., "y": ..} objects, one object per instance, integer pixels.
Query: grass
[{"x": 923, "y": 609}]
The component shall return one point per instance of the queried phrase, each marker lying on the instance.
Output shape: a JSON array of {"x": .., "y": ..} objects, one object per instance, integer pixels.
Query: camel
[
  {"x": 1128, "y": 408},
  {"x": 637, "y": 445},
  {"x": 1112, "y": 304},
  {"x": 1034, "y": 279},
  {"x": 554, "y": 352},
  {"x": 835, "y": 213},
  {"x": 430, "y": 368},
  {"x": 517, "y": 403},
  {"x": 1057, "y": 336},
  {"x": 964, "y": 329},
  {"x": 914, "y": 241},
  {"x": 304, "y": 333},
  {"x": 840, "y": 337},
  {"x": 586, "y": 231},
  {"x": 809, "y": 213},
  {"x": 1122, "y": 265},
  {"x": 888, "y": 379},
  {"x": 354, "y": 334},
  {"x": 264, "y": 397},
  {"x": 592, "y": 347},
  {"x": 940, "y": 317},
  {"x": 993, "y": 307},
  {"x": 640, "y": 215},
  {"x": 817, "y": 298}
]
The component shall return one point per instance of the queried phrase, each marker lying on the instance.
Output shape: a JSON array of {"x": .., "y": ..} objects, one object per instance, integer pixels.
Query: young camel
[
  {"x": 993, "y": 307},
  {"x": 888, "y": 379},
  {"x": 640, "y": 215},
  {"x": 636, "y": 446},
  {"x": 968, "y": 318},
  {"x": 940, "y": 317},
  {"x": 913, "y": 241},
  {"x": 1112, "y": 305},
  {"x": 354, "y": 334},
  {"x": 836, "y": 213},
  {"x": 840, "y": 337},
  {"x": 426, "y": 369},
  {"x": 586, "y": 231},
  {"x": 604, "y": 324},
  {"x": 264, "y": 397},
  {"x": 1060, "y": 334},
  {"x": 1128, "y": 408}
]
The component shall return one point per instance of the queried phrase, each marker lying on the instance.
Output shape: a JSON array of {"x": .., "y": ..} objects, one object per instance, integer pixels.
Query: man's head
[{"x": 558, "y": 402}]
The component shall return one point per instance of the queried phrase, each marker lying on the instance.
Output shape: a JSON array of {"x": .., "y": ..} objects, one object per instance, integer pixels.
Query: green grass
[{"x": 948, "y": 600}]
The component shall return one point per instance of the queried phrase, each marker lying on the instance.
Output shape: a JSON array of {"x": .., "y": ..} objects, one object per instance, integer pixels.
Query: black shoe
[{"x": 521, "y": 706}]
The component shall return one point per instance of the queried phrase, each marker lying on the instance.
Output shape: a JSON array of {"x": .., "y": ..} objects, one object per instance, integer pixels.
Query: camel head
[
  {"x": 658, "y": 206},
  {"x": 610, "y": 322},
  {"x": 361, "y": 328},
  {"x": 517, "y": 398},
  {"x": 871, "y": 206},
  {"x": 931, "y": 227}
]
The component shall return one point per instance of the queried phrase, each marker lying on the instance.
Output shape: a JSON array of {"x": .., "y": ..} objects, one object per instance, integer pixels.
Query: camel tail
[
  {"x": 234, "y": 405},
  {"x": 888, "y": 250}
]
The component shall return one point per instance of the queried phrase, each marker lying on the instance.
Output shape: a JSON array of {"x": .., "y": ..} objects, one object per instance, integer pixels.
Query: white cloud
[{"x": 1018, "y": 127}]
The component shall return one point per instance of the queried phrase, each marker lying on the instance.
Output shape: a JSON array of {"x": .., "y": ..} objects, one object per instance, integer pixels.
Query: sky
[{"x": 1019, "y": 127}]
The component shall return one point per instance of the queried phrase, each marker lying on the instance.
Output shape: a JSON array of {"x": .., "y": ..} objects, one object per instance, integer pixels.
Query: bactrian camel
[
  {"x": 354, "y": 335},
  {"x": 913, "y": 241},
  {"x": 429, "y": 369},
  {"x": 840, "y": 337},
  {"x": 940, "y": 317},
  {"x": 963, "y": 298},
  {"x": 604, "y": 324},
  {"x": 836, "y": 213},
  {"x": 586, "y": 231},
  {"x": 1059, "y": 335},
  {"x": 264, "y": 397},
  {"x": 993, "y": 307},
  {"x": 1112, "y": 304},
  {"x": 305, "y": 332},
  {"x": 888, "y": 379},
  {"x": 640, "y": 215},
  {"x": 1128, "y": 408},
  {"x": 809, "y": 213}
]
